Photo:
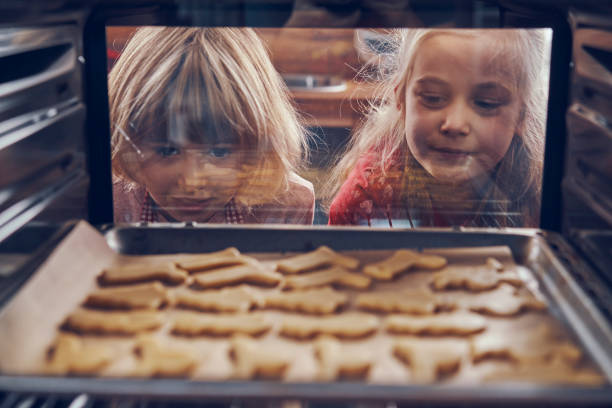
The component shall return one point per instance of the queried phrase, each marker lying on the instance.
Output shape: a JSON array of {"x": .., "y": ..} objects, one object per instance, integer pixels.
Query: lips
[{"x": 450, "y": 150}]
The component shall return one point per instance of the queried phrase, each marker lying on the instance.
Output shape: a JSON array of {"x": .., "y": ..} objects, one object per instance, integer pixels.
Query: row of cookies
[{"x": 426, "y": 360}]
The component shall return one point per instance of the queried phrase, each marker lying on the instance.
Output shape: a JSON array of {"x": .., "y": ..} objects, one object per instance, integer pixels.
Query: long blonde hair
[
  {"x": 519, "y": 173},
  {"x": 223, "y": 82}
]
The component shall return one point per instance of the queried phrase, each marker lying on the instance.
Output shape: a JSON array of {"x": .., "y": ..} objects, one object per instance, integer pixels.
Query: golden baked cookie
[
  {"x": 503, "y": 301},
  {"x": 123, "y": 323},
  {"x": 320, "y": 257},
  {"x": 253, "y": 273},
  {"x": 233, "y": 299},
  {"x": 68, "y": 355},
  {"x": 449, "y": 324},
  {"x": 430, "y": 359},
  {"x": 202, "y": 262},
  {"x": 317, "y": 301},
  {"x": 413, "y": 301},
  {"x": 137, "y": 273},
  {"x": 252, "y": 360},
  {"x": 334, "y": 275},
  {"x": 199, "y": 324},
  {"x": 337, "y": 360},
  {"x": 401, "y": 261},
  {"x": 345, "y": 325},
  {"x": 144, "y": 296},
  {"x": 156, "y": 359}
]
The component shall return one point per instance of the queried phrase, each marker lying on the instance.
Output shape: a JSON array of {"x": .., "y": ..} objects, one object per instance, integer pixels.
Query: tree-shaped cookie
[
  {"x": 317, "y": 301},
  {"x": 402, "y": 260},
  {"x": 483, "y": 277},
  {"x": 163, "y": 360},
  {"x": 252, "y": 359},
  {"x": 338, "y": 360},
  {"x": 233, "y": 299},
  {"x": 198, "y": 324},
  {"x": 430, "y": 359},
  {"x": 345, "y": 325},
  {"x": 252, "y": 272},
  {"x": 451, "y": 324},
  {"x": 503, "y": 301},
  {"x": 320, "y": 257},
  {"x": 69, "y": 355},
  {"x": 534, "y": 346},
  {"x": 412, "y": 301},
  {"x": 334, "y": 275}
]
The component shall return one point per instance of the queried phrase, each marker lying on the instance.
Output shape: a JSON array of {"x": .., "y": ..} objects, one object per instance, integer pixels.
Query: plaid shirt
[{"x": 150, "y": 213}]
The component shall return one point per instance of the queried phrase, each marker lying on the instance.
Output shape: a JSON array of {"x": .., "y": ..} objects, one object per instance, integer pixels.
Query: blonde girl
[
  {"x": 203, "y": 130},
  {"x": 458, "y": 138}
]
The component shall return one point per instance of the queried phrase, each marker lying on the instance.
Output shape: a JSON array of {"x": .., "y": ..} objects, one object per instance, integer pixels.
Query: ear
[{"x": 398, "y": 93}]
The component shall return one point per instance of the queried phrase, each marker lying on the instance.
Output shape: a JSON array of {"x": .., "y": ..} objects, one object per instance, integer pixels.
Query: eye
[
  {"x": 167, "y": 151},
  {"x": 432, "y": 100},
  {"x": 487, "y": 104},
  {"x": 219, "y": 152}
]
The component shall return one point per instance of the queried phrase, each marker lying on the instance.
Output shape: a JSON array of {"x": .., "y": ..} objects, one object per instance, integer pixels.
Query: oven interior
[{"x": 55, "y": 149}]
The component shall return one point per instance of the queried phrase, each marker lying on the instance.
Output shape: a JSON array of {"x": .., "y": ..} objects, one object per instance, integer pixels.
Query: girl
[
  {"x": 202, "y": 130},
  {"x": 458, "y": 140}
]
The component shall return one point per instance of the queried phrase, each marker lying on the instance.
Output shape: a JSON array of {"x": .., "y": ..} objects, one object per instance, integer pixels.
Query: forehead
[{"x": 482, "y": 57}]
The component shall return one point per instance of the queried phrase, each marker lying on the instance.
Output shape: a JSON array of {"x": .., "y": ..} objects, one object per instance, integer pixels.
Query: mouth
[
  {"x": 184, "y": 204},
  {"x": 450, "y": 153}
]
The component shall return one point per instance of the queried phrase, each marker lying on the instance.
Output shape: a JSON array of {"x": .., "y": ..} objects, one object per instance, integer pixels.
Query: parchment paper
[{"x": 29, "y": 323}]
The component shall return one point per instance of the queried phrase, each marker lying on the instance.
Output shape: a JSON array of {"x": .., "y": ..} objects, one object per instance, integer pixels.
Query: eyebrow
[
  {"x": 431, "y": 80},
  {"x": 494, "y": 86}
]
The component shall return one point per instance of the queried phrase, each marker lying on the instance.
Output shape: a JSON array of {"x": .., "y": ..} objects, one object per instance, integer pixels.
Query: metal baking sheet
[{"x": 529, "y": 248}]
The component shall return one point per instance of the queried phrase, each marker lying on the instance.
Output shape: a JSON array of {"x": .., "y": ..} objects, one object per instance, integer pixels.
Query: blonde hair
[
  {"x": 519, "y": 173},
  {"x": 222, "y": 82}
]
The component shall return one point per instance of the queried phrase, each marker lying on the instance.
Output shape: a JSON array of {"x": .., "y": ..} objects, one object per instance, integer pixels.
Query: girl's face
[
  {"x": 461, "y": 106},
  {"x": 190, "y": 182}
]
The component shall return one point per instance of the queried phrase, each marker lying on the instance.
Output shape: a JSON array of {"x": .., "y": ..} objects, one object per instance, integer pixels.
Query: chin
[{"x": 450, "y": 175}]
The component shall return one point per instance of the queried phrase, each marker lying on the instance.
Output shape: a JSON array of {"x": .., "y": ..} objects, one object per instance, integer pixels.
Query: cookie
[
  {"x": 247, "y": 273},
  {"x": 198, "y": 324},
  {"x": 474, "y": 278},
  {"x": 451, "y": 324},
  {"x": 549, "y": 374},
  {"x": 68, "y": 355},
  {"x": 335, "y": 275},
  {"x": 162, "y": 360},
  {"x": 346, "y": 325},
  {"x": 504, "y": 301},
  {"x": 400, "y": 261},
  {"x": 234, "y": 299},
  {"x": 430, "y": 359},
  {"x": 137, "y": 273},
  {"x": 317, "y": 301},
  {"x": 123, "y": 323},
  {"x": 252, "y": 360},
  {"x": 144, "y": 296},
  {"x": 336, "y": 360},
  {"x": 197, "y": 263},
  {"x": 412, "y": 301},
  {"x": 531, "y": 347},
  {"x": 320, "y": 257}
]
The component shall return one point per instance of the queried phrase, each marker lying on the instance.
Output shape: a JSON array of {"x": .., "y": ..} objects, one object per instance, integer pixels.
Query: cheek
[
  {"x": 420, "y": 125},
  {"x": 160, "y": 178},
  {"x": 495, "y": 135}
]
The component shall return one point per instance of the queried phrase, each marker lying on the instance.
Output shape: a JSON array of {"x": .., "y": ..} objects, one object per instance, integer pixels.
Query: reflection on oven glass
[{"x": 391, "y": 128}]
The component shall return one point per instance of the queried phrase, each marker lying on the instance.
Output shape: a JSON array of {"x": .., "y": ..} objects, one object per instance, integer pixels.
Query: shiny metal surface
[{"x": 568, "y": 302}]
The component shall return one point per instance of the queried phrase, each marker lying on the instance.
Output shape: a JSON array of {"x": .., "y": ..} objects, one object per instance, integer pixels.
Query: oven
[{"x": 56, "y": 182}]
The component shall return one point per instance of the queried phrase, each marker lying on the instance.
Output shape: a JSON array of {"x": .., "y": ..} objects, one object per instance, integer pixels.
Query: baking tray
[{"x": 568, "y": 303}]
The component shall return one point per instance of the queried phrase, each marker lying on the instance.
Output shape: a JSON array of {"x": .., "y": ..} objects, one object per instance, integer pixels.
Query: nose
[{"x": 456, "y": 121}]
